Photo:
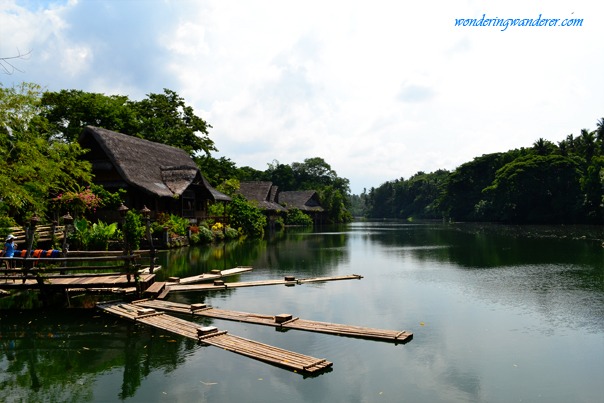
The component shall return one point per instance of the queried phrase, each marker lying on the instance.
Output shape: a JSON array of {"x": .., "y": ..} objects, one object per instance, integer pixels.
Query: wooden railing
[
  {"x": 75, "y": 264},
  {"x": 43, "y": 233}
]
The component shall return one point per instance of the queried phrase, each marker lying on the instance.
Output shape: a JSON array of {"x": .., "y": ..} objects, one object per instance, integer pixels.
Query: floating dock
[
  {"x": 283, "y": 321},
  {"x": 210, "y": 335}
]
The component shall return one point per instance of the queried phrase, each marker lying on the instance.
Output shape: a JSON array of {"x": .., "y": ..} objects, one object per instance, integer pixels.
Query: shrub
[
  {"x": 297, "y": 217},
  {"x": 205, "y": 235},
  {"x": 247, "y": 217},
  {"x": 133, "y": 229}
]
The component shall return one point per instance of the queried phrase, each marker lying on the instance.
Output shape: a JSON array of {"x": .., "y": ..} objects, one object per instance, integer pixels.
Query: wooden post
[
  {"x": 122, "y": 211},
  {"x": 67, "y": 221},
  {"x": 30, "y": 233},
  {"x": 146, "y": 214}
]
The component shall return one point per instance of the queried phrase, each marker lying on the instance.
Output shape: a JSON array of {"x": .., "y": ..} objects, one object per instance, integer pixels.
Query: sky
[{"x": 379, "y": 89}]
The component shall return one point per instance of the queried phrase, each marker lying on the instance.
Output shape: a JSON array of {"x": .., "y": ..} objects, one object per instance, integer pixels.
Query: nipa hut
[
  {"x": 263, "y": 195},
  {"x": 305, "y": 200},
  {"x": 161, "y": 177}
]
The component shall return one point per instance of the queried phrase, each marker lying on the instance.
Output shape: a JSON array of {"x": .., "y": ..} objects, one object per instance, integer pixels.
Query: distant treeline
[{"x": 545, "y": 184}]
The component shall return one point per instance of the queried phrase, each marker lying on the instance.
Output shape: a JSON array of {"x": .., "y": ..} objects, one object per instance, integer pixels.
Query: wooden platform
[
  {"x": 281, "y": 321},
  {"x": 80, "y": 281},
  {"x": 283, "y": 358}
]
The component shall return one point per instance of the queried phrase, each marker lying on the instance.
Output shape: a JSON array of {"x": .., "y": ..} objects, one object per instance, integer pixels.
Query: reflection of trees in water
[
  {"x": 295, "y": 250},
  {"x": 57, "y": 356},
  {"x": 492, "y": 245},
  {"x": 549, "y": 270}
]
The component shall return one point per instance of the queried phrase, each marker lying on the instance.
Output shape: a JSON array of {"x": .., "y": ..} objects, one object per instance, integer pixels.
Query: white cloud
[{"x": 378, "y": 89}]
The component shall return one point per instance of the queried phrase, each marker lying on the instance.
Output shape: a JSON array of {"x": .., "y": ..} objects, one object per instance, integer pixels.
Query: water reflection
[{"x": 498, "y": 314}]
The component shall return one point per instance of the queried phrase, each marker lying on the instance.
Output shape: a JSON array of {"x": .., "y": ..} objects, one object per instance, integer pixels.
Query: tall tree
[
  {"x": 165, "y": 118},
  {"x": 69, "y": 111}
]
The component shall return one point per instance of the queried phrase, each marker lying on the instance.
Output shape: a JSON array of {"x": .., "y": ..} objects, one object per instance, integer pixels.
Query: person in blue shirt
[{"x": 9, "y": 249}]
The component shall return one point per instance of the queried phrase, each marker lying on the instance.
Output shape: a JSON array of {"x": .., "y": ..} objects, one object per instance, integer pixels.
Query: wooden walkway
[
  {"x": 112, "y": 282},
  {"x": 210, "y": 335},
  {"x": 284, "y": 321}
]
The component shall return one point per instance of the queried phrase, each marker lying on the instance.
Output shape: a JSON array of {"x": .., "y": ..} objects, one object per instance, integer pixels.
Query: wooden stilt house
[{"x": 161, "y": 177}]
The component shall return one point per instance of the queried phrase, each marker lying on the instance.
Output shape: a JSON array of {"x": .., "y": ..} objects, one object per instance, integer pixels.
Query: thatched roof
[
  {"x": 305, "y": 200},
  {"x": 261, "y": 193},
  {"x": 156, "y": 168}
]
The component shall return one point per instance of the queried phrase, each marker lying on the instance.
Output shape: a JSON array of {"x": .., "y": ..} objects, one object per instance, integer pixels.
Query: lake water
[{"x": 499, "y": 314}]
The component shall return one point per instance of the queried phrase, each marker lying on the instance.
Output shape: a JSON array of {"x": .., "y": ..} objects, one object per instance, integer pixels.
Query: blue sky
[{"x": 379, "y": 89}]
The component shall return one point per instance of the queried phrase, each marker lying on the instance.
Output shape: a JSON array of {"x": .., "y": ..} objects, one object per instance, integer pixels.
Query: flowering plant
[{"x": 79, "y": 202}]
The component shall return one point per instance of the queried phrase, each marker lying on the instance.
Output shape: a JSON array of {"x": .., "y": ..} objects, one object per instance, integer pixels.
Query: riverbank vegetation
[
  {"x": 44, "y": 175},
  {"x": 545, "y": 183}
]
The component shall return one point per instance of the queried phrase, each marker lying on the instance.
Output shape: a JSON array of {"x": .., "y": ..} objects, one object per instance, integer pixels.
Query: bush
[
  {"x": 297, "y": 217},
  {"x": 133, "y": 229},
  {"x": 247, "y": 217},
  {"x": 231, "y": 233},
  {"x": 205, "y": 235}
]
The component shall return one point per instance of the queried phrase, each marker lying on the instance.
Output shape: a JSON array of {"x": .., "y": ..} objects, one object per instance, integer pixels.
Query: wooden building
[
  {"x": 263, "y": 195},
  {"x": 305, "y": 200},
  {"x": 161, "y": 177}
]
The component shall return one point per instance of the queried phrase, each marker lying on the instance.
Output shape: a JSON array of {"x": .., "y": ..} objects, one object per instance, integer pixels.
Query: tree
[
  {"x": 281, "y": 175},
  {"x": 69, "y": 111},
  {"x": 216, "y": 170},
  {"x": 538, "y": 189},
  {"x": 165, "y": 118},
  {"x": 35, "y": 167},
  {"x": 162, "y": 118},
  {"x": 7, "y": 65}
]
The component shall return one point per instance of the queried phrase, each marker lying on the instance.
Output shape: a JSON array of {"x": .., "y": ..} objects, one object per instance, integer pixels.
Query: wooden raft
[
  {"x": 286, "y": 281},
  {"x": 214, "y": 275},
  {"x": 210, "y": 335},
  {"x": 280, "y": 321}
]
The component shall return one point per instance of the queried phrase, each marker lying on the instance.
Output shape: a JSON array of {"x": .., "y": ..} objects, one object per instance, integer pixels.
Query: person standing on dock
[{"x": 9, "y": 249}]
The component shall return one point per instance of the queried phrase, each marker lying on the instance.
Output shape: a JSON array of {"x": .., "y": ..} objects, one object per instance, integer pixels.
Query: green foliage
[
  {"x": 133, "y": 229},
  {"x": 205, "y": 235},
  {"x": 175, "y": 224},
  {"x": 231, "y": 233},
  {"x": 93, "y": 237},
  {"x": 295, "y": 216},
  {"x": 546, "y": 183},
  {"x": 37, "y": 166},
  {"x": 109, "y": 200},
  {"x": 78, "y": 202},
  {"x": 163, "y": 118},
  {"x": 246, "y": 217},
  {"x": 333, "y": 202},
  {"x": 69, "y": 111},
  {"x": 537, "y": 189}
]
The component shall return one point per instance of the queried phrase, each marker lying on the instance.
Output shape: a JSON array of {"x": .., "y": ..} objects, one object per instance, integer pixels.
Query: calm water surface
[{"x": 499, "y": 314}]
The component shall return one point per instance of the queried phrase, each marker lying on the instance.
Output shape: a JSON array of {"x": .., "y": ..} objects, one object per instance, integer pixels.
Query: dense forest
[
  {"x": 40, "y": 154},
  {"x": 546, "y": 183}
]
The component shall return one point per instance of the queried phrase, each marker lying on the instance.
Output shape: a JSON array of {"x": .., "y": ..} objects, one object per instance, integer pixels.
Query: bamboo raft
[
  {"x": 288, "y": 281},
  {"x": 214, "y": 275},
  {"x": 212, "y": 336},
  {"x": 283, "y": 321}
]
